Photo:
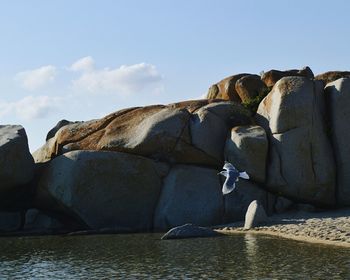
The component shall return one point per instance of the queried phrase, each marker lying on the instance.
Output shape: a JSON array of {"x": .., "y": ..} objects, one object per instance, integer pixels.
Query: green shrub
[{"x": 253, "y": 104}]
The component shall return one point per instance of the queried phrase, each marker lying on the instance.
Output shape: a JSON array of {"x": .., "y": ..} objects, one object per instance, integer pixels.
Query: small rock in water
[
  {"x": 189, "y": 231},
  {"x": 255, "y": 215}
]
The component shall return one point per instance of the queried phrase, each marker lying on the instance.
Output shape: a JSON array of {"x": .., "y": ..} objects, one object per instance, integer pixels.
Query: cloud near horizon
[
  {"x": 37, "y": 78},
  {"x": 126, "y": 79},
  {"x": 30, "y": 107}
]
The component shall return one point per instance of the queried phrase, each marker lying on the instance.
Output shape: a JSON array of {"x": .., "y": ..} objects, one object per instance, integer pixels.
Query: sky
[{"x": 80, "y": 60}]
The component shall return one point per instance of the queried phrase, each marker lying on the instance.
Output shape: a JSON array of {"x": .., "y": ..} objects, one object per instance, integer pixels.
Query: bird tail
[{"x": 244, "y": 175}]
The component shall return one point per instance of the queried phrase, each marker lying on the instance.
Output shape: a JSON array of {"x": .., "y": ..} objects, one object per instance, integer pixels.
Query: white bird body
[{"x": 232, "y": 176}]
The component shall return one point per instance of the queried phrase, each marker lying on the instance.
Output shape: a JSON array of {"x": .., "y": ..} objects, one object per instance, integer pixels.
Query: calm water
[{"x": 144, "y": 256}]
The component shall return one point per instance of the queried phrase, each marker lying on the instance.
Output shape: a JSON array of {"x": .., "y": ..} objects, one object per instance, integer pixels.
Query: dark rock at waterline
[
  {"x": 11, "y": 221},
  {"x": 36, "y": 220},
  {"x": 189, "y": 231}
]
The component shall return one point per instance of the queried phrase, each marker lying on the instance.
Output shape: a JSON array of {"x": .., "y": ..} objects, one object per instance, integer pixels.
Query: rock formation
[{"x": 155, "y": 167}]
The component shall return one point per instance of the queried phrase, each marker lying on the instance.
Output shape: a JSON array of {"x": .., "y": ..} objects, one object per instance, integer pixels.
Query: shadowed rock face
[
  {"x": 16, "y": 162},
  {"x": 246, "y": 148},
  {"x": 173, "y": 133},
  {"x": 271, "y": 77},
  {"x": 103, "y": 189},
  {"x": 338, "y": 94},
  {"x": 189, "y": 194},
  {"x": 301, "y": 164}
]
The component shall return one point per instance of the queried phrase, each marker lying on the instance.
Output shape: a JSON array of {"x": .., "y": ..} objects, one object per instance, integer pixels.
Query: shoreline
[
  {"x": 286, "y": 236},
  {"x": 327, "y": 228}
]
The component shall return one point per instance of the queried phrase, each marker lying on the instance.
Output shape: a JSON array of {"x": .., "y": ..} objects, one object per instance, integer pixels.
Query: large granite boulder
[
  {"x": 332, "y": 76},
  {"x": 172, "y": 133},
  {"x": 246, "y": 148},
  {"x": 213, "y": 92},
  {"x": 250, "y": 87},
  {"x": 226, "y": 89},
  {"x": 103, "y": 189},
  {"x": 16, "y": 162},
  {"x": 301, "y": 164},
  {"x": 338, "y": 94},
  {"x": 190, "y": 194},
  {"x": 270, "y": 78}
]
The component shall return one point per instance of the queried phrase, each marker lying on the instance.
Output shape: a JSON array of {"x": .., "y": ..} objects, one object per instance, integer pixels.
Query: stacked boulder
[{"x": 301, "y": 164}]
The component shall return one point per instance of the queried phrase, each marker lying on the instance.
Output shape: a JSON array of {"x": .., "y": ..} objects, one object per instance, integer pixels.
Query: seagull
[{"x": 232, "y": 175}]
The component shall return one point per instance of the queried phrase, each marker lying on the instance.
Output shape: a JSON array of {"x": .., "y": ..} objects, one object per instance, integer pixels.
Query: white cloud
[
  {"x": 84, "y": 64},
  {"x": 125, "y": 79},
  {"x": 30, "y": 107},
  {"x": 37, "y": 78}
]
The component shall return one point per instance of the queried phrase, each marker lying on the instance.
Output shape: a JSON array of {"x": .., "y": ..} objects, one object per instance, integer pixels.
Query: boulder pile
[{"x": 152, "y": 168}]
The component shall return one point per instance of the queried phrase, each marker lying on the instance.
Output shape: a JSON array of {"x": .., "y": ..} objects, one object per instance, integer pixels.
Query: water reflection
[{"x": 143, "y": 256}]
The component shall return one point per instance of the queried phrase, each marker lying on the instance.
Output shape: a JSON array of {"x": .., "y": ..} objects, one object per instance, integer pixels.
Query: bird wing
[
  {"x": 244, "y": 175},
  {"x": 226, "y": 189},
  {"x": 229, "y": 184},
  {"x": 229, "y": 167}
]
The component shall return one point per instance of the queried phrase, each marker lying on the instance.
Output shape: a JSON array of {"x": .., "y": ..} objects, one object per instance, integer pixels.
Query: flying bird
[{"x": 232, "y": 175}]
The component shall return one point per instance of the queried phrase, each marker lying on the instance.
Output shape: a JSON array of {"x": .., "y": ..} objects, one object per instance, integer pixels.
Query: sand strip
[{"x": 330, "y": 228}]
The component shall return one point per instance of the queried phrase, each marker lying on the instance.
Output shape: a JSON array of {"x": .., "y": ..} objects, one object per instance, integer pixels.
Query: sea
[{"x": 146, "y": 256}]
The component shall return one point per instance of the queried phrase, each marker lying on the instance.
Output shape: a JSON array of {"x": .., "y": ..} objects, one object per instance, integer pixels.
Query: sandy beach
[{"x": 331, "y": 227}]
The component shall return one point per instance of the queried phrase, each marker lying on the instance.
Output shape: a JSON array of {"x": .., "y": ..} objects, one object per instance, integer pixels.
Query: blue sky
[{"x": 80, "y": 60}]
